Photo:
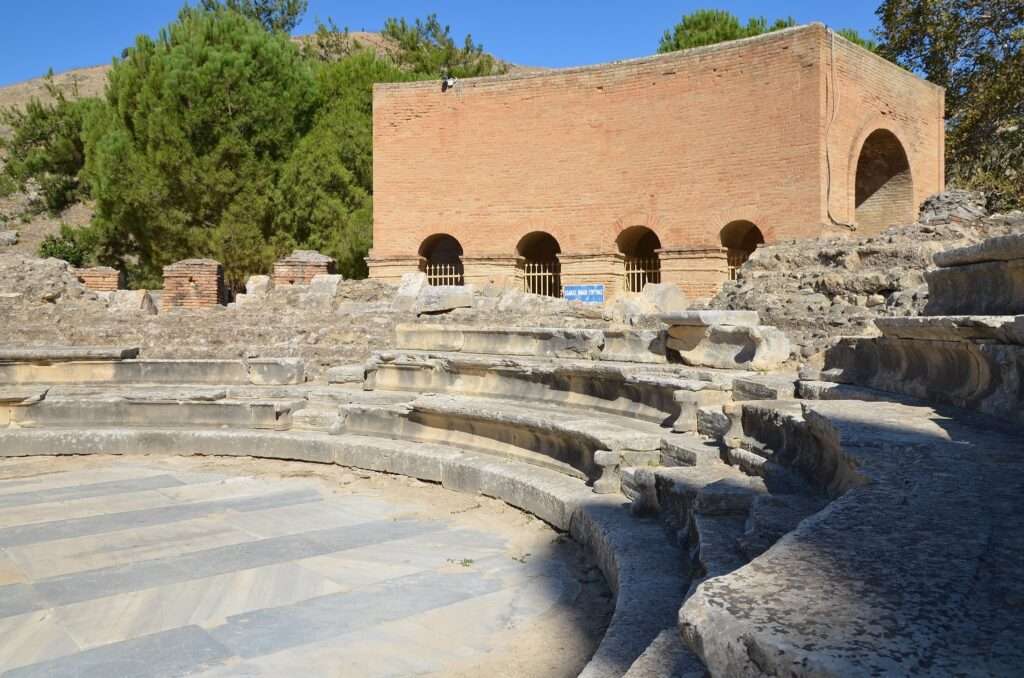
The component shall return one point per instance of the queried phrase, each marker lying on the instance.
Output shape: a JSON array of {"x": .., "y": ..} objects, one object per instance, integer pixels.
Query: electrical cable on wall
[{"x": 828, "y": 127}]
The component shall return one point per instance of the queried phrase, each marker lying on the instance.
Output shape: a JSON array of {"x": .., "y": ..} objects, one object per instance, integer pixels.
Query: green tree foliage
[
  {"x": 324, "y": 192},
  {"x": 856, "y": 38},
  {"x": 184, "y": 159},
  {"x": 427, "y": 47},
  {"x": 47, "y": 145},
  {"x": 275, "y": 15},
  {"x": 973, "y": 48},
  {"x": 75, "y": 246},
  {"x": 711, "y": 26}
]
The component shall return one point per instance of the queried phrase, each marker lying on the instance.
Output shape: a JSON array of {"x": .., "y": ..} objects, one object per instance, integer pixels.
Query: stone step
[
  {"x": 45, "y": 355},
  {"x": 899, "y": 475},
  {"x": 626, "y": 345},
  {"x": 666, "y": 396},
  {"x": 258, "y": 371},
  {"x": 74, "y": 412},
  {"x": 571, "y": 441}
]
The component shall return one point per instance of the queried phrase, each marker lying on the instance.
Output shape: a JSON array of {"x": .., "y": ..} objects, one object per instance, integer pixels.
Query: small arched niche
[
  {"x": 441, "y": 260},
  {"x": 740, "y": 238},
  {"x": 538, "y": 264},
  {"x": 884, "y": 188},
  {"x": 639, "y": 246}
]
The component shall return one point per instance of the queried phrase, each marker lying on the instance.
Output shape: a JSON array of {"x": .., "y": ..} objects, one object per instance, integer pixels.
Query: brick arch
[
  {"x": 881, "y": 177},
  {"x": 538, "y": 246},
  {"x": 740, "y": 237},
  {"x": 537, "y": 263},
  {"x": 441, "y": 259},
  {"x": 640, "y": 247}
]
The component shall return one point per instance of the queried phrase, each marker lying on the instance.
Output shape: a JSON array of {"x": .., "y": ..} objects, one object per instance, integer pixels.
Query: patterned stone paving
[{"x": 149, "y": 568}]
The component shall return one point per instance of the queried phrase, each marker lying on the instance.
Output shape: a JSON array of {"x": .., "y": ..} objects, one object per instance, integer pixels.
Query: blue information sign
[{"x": 588, "y": 294}]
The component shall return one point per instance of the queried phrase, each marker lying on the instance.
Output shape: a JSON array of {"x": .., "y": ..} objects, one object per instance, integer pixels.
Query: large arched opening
[
  {"x": 740, "y": 238},
  {"x": 538, "y": 264},
  {"x": 639, "y": 246},
  {"x": 441, "y": 260},
  {"x": 884, "y": 189}
]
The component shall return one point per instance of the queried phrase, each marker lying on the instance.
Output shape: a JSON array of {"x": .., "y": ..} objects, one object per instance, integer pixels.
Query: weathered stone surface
[
  {"x": 730, "y": 346},
  {"x": 1002, "y": 248},
  {"x": 986, "y": 288},
  {"x": 1004, "y": 329},
  {"x": 131, "y": 301},
  {"x": 817, "y": 291},
  {"x": 409, "y": 291},
  {"x": 442, "y": 298},
  {"x": 8, "y": 238},
  {"x": 844, "y": 594},
  {"x": 325, "y": 284},
  {"x": 664, "y": 297},
  {"x": 698, "y": 318},
  {"x": 50, "y": 354},
  {"x": 345, "y": 374},
  {"x": 764, "y": 387},
  {"x": 979, "y": 375},
  {"x": 258, "y": 285}
]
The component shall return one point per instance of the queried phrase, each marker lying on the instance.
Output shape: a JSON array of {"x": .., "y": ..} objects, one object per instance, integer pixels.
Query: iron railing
[
  {"x": 542, "y": 277},
  {"x": 736, "y": 258},
  {"x": 444, "y": 274},
  {"x": 639, "y": 272}
]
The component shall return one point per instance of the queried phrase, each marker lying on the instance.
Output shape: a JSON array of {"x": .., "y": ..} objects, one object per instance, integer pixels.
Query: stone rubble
[{"x": 818, "y": 291}]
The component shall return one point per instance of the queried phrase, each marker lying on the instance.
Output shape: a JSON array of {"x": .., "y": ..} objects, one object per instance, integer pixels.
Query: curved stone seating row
[
  {"x": 914, "y": 566},
  {"x": 572, "y": 442},
  {"x": 641, "y": 565},
  {"x": 657, "y": 394},
  {"x": 625, "y": 345},
  {"x": 20, "y": 367},
  {"x": 73, "y": 412},
  {"x": 967, "y": 361}
]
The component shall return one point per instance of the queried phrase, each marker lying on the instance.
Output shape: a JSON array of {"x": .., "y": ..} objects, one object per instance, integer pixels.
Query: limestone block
[
  {"x": 325, "y": 284},
  {"x": 442, "y": 298},
  {"x": 982, "y": 375},
  {"x": 131, "y": 301},
  {"x": 984, "y": 288},
  {"x": 730, "y": 346},
  {"x": 258, "y": 285},
  {"x": 713, "y": 422},
  {"x": 704, "y": 318},
  {"x": 1004, "y": 248},
  {"x": 346, "y": 374},
  {"x": 634, "y": 346},
  {"x": 8, "y": 238},
  {"x": 276, "y": 371},
  {"x": 664, "y": 297},
  {"x": 409, "y": 291},
  {"x": 764, "y": 387}
]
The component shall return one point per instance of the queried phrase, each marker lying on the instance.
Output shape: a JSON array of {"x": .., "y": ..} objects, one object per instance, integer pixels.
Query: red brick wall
[
  {"x": 875, "y": 94},
  {"x": 683, "y": 143}
]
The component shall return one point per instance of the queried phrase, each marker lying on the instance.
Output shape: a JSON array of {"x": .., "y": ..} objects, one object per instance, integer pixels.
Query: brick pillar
[
  {"x": 193, "y": 283},
  {"x": 500, "y": 271},
  {"x": 605, "y": 268},
  {"x": 299, "y": 267},
  {"x": 390, "y": 269},
  {"x": 699, "y": 271},
  {"x": 100, "y": 278}
]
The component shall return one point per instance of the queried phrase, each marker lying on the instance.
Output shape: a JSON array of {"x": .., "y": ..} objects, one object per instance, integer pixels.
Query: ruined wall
[{"x": 683, "y": 143}]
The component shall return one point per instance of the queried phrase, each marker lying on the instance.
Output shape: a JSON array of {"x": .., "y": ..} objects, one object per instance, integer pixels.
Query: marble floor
[{"x": 139, "y": 567}]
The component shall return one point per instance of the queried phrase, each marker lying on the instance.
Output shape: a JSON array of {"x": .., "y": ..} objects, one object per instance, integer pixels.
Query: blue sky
[{"x": 38, "y": 34}]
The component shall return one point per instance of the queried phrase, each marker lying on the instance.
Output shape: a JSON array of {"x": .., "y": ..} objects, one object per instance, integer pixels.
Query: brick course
[
  {"x": 299, "y": 267},
  {"x": 193, "y": 283},
  {"x": 100, "y": 278},
  {"x": 682, "y": 143}
]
